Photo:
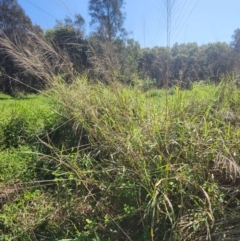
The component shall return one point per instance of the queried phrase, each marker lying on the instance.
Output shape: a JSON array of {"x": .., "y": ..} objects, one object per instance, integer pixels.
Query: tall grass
[
  {"x": 128, "y": 168},
  {"x": 146, "y": 173},
  {"x": 113, "y": 163}
]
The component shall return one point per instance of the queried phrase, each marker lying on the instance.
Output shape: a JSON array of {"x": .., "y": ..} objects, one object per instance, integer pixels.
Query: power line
[
  {"x": 161, "y": 24},
  {"x": 41, "y": 9},
  {"x": 182, "y": 11},
  {"x": 173, "y": 19},
  {"x": 188, "y": 17},
  {"x": 66, "y": 7}
]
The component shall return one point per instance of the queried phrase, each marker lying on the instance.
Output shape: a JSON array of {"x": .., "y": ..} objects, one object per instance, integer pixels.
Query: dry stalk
[
  {"x": 37, "y": 58},
  {"x": 105, "y": 65},
  {"x": 227, "y": 166}
]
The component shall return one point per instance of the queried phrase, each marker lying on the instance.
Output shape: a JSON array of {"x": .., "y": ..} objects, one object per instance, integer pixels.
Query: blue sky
[{"x": 201, "y": 21}]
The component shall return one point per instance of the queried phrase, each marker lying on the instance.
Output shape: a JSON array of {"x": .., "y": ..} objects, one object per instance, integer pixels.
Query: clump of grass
[
  {"x": 131, "y": 167},
  {"x": 148, "y": 165}
]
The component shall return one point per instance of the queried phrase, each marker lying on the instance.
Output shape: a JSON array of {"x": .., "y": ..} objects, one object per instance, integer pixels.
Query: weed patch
[{"x": 118, "y": 164}]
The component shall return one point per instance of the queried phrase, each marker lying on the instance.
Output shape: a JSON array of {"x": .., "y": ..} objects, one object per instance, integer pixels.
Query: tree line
[{"x": 29, "y": 55}]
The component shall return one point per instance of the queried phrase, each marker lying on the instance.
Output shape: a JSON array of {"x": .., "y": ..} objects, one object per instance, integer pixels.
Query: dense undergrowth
[{"x": 96, "y": 162}]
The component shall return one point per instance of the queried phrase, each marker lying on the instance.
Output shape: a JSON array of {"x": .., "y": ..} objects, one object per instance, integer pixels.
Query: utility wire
[
  {"x": 65, "y": 5},
  {"x": 161, "y": 24},
  {"x": 188, "y": 17},
  {"x": 41, "y": 9}
]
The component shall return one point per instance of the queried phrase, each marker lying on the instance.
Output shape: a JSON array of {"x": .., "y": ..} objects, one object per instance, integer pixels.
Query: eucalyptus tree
[
  {"x": 235, "y": 44},
  {"x": 13, "y": 19},
  {"x": 184, "y": 61},
  {"x": 218, "y": 60},
  {"x": 130, "y": 59},
  {"x": 107, "y": 18},
  {"x": 153, "y": 64}
]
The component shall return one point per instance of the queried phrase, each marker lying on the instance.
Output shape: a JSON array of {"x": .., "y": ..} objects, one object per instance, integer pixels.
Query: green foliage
[
  {"x": 34, "y": 207},
  {"x": 160, "y": 165},
  {"x": 236, "y": 40},
  {"x": 187, "y": 62},
  {"x": 68, "y": 37},
  {"x": 23, "y": 120},
  {"x": 16, "y": 165}
]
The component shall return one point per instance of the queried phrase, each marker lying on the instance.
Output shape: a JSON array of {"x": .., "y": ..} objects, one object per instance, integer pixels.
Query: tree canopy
[
  {"x": 107, "y": 17},
  {"x": 236, "y": 40},
  {"x": 68, "y": 36},
  {"x": 104, "y": 54}
]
